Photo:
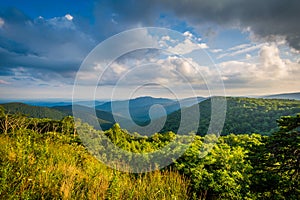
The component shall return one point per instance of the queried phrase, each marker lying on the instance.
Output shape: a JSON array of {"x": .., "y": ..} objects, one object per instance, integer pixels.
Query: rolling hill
[
  {"x": 87, "y": 114},
  {"x": 105, "y": 119},
  {"x": 244, "y": 115},
  {"x": 33, "y": 111}
]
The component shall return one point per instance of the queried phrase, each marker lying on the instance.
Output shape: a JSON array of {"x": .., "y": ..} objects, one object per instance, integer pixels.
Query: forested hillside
[
  {"x": 105, "y": 119},
  {"x": 33, "y": 111},
  {"x": 243, "y": 115}
]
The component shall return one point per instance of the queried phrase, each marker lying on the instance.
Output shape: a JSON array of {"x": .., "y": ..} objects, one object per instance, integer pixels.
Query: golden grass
[{"x": 50, "y": 167}]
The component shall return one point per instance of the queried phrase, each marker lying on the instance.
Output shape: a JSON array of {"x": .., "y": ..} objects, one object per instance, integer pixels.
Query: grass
[{"x": 51, "y": 166}]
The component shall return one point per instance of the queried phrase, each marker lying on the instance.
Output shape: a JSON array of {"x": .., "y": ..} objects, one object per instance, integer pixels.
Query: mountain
[
  {"x": 243, "y": 115},
  {"x": 33, "y": 111},
  {"x": 63, "y": 103},
  {"x": 55, "y": 102},
  {"x": 105, "y": 119},
  {"x": 295, "y": 96},
  {"x": 47, "y": 103},
  {"x": 187, "y": 102},
  {"x": 87, "y": 114},
  {"x": 138, "y": 109},
  {"x": 89, "y": 103}
]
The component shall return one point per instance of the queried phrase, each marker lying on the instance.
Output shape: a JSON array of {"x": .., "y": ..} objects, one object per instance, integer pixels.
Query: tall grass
[{"x": 51, "y": 166}]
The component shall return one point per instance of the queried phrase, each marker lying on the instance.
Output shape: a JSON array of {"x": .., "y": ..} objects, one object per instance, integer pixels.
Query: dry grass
[{"x": 50, "y": 167}]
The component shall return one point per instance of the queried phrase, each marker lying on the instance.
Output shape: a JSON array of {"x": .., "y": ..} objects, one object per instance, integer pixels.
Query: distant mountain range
[
  {"x": 244, "y": 115},
  {"x": 107, "y": 113},
  {"x": 138, "y": 109},
  {"x": 147, "y": 100},
  {"x": 295, "y": 96},
  {"x": 63, "y": 103}
]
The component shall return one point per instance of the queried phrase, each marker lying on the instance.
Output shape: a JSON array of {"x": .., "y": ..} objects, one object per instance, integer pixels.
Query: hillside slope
[
  {"x": 244, "y": 115},
  {"x": 33, "y": 111},
  {"x": 139, "y": 108},
  {"x": 87, "y": 114}
]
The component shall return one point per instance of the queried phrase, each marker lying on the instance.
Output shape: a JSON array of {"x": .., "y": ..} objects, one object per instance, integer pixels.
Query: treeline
[{"x": 54, "y": 164}]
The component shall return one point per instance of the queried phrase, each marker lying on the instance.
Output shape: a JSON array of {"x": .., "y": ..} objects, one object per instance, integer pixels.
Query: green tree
[{"x": 276, "y": 174}]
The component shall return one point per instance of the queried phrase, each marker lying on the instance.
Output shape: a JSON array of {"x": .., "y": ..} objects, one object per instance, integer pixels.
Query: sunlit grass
[{"x": 50, "y": 166}]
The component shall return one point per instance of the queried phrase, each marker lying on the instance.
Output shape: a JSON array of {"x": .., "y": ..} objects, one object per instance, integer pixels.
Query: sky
[{"x": 104, "y": 49}]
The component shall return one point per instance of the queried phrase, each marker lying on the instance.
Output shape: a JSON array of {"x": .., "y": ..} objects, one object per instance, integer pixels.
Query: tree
[
  {"x": 67, "y": 125},
  {"x": 278, "y": 162}
]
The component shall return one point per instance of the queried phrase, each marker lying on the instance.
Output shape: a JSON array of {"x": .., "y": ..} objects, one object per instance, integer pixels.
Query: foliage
[
  {"x": 37, "y": 164},
  {"x": 278, "y": 162}
]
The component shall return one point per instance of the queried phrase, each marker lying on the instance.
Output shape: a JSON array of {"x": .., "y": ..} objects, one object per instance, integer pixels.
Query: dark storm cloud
[
  {"x": 41, "y": 45},
  {"x": 265, "y": 17}
]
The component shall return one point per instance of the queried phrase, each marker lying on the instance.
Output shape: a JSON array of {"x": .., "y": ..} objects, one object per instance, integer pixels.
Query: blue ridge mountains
[{"x": 244, "y": 115}]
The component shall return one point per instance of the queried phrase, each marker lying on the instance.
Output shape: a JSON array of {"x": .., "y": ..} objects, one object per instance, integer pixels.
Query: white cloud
[
  {"x": 237, "y": 70},
  {"x": 295, "y": 51},
  {"x": 184, "y": 70},
  {"x": 216, "y": 50},
  {"x": 241, "y": 49},
  {"x": 271, "y": 62},
  {"x": 188, "y": 34},
  {"x": 118, "y": 69},
  {"x": 166, "y": 37},
  {"x": 269, "y": 70},
  {"x": 69, "y": 17},
  {"x": 248, "y": 56},
  {"x": 187, "y": 46},
  {"x": 86, "y": 76},
  {"x": 171, "y": 70}
]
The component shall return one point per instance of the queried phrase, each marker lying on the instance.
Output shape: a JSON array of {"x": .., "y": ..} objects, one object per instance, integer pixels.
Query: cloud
[
  {"x": 4, "y": 82},
  {"x": 69, "y": 17},
  {"x": 241, "y": 49},
  {"x": 54, "y": 46},
  {"x": 272, "y": 64},
  {"x": 265, "y": 18},
  {"x": 188, "y": 34},
  {"x": 248, "y": 56},
  {"x": 269, "y": 70},
  {"x": 185, "y": 68},
  {"x": 216, "y": 50},
  {"x": 187, "y": 46},
  {"x": 145, "y": 66}
]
